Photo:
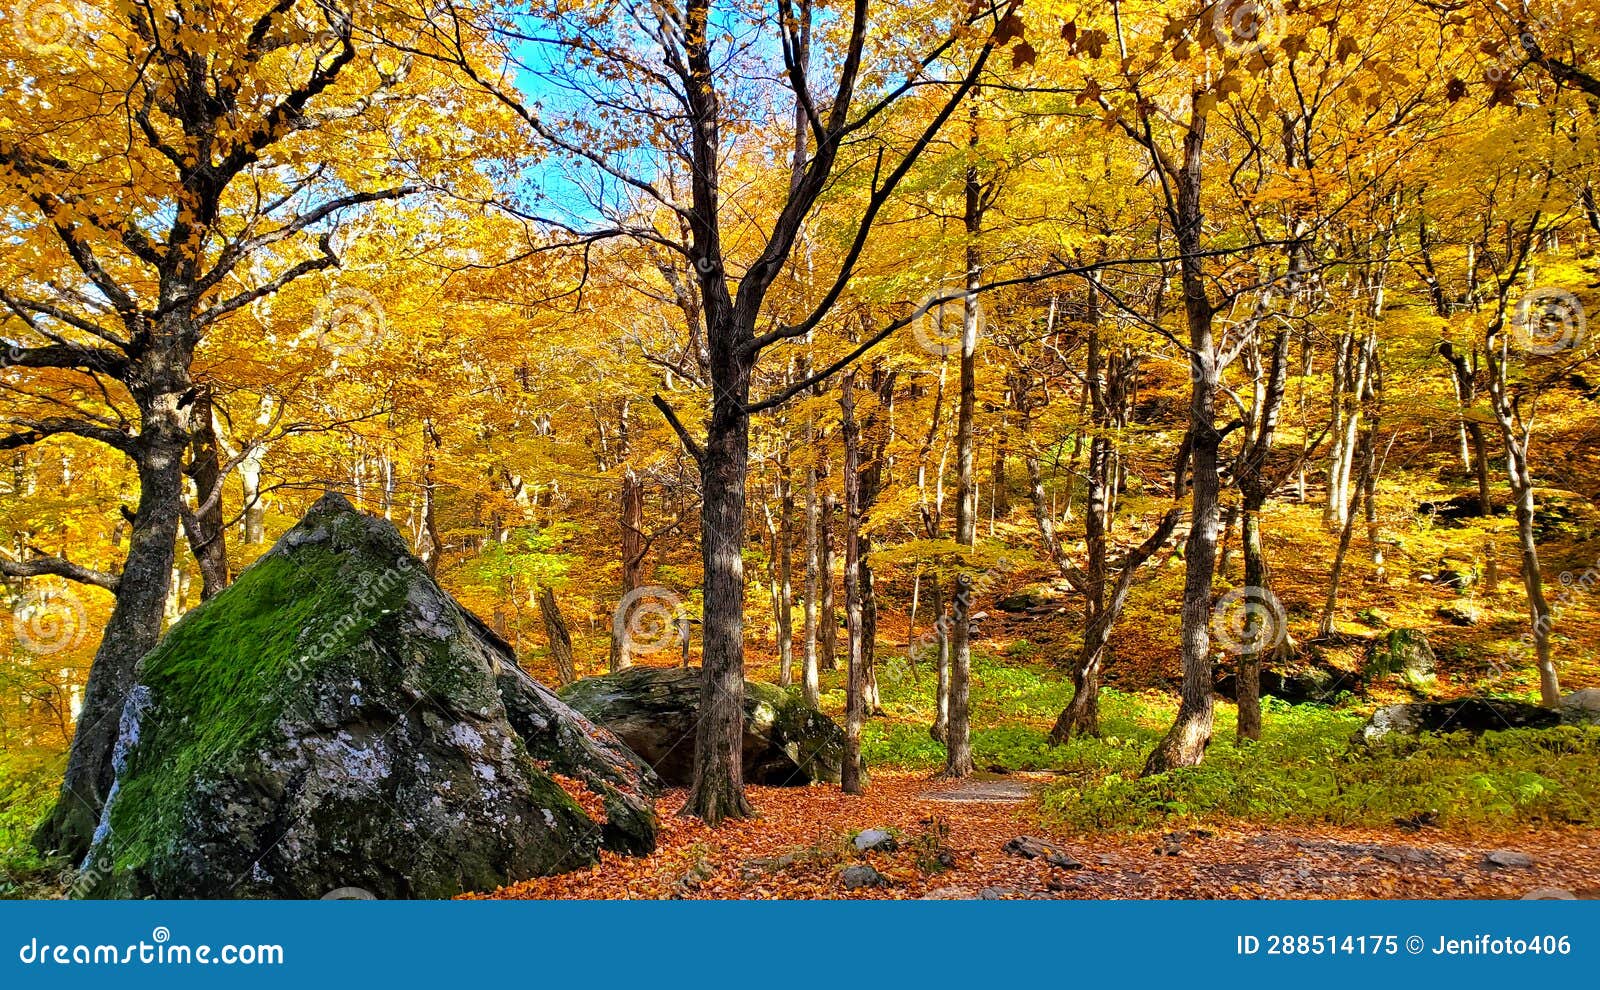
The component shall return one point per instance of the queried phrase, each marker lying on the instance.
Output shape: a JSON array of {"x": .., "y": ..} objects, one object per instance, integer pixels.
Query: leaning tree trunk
[
  {"x": 135, "y": 624},
  {"x": 1081, "y": 717},
  {"x": 1532, "y": 580},
  {"x": 1515, "y": 436},
  {"x": 556, "y": 634},
  {"x": 1255, "y": 487}
]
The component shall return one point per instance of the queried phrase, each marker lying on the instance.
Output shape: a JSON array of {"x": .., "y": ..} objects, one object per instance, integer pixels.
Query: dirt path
[{"x": 800, "y": 847}]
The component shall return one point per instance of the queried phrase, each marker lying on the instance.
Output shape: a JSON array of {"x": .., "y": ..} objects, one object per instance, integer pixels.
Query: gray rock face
[
  {"x": 653, "y": 710},
  {"x": 1313, "y": 681},
  {"x": 1403, "y": 652},
  {"x": 336, "y": 720},
  {"x": 856, "y": 877},
  {"x": 875, "y": 838},
  {"x": 1508, "y": 859},
  {"x": 1581, "y": 707},
  {"x": 1472, "y": 715},
  {"x": 1030, "y": 847}
]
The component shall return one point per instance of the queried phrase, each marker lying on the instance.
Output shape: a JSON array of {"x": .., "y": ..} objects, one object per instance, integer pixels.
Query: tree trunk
[
  {"x": 716, "y": 792},
  {"x": 1366, "y": 453},
  {"x": 958, "y": 727},
  {"x": 1081, "y": 717},
  {"x": 828, "y": 621},
  {"x": 1185, "y": 744},
  {"x": 135, "y": 625},
  {"x": 785, "y": 610},
  {"x": 1255, "y": 487},
  {"x": 1538, "y": 608},
  {"x": 255, "y": 511},
  {"x": 941, "y": 631},
  {"x": 872, "y": 698},
  {"x": 1248, "y": 673},
  {"x": 556, "y": 634},
  {"x": 855, "y": 686},
  {"x": 204, "y": 527},
  {"x": 958, "y": 742},
  {"x": 633, "y": 546},
  {"x": 809, "y": 686},
  {"x": 1466, "y": 395}
]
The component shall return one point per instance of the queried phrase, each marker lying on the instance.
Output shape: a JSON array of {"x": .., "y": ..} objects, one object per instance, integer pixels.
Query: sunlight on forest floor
[{"x": 800, "y": 845}]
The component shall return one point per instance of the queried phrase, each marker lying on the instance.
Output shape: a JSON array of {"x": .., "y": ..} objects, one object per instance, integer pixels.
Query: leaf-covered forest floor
[{"x": 800, "y": 846}]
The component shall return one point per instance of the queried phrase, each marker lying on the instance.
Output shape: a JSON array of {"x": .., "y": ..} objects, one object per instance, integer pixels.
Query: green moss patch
[{"x": 219, "y": 681}]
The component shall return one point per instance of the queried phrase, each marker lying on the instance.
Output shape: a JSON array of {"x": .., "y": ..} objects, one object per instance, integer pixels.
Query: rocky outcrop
[
  {"x": 1403, "y": 652},
  {"x": 1317, "y": 682},
  {"x": 336, "y": 720},
  {"x": 1473, "y": 715},
  {"x": 654, "y": 710},
  {"x": 1581, "y": 707}
]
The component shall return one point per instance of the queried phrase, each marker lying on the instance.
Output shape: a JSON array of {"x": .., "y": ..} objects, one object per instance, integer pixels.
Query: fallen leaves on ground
[{"x": 800, "y": 844}]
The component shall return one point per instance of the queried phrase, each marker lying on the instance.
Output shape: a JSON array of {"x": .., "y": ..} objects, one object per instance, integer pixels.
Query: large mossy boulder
[
  {"x": 1405, "y": 653},
  {"x": 334, "y": 719},
  {"x": 654, "y": 710}
]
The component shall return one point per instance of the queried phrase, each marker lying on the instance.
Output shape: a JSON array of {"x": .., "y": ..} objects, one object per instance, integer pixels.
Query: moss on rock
[{"x": 335, "y": 719}]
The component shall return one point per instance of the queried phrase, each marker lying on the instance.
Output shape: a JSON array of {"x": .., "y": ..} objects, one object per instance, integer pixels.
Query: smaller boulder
[
  {"x": 1581, "y": 707},
  {"x": 1316, "y": 681},
  {"x": 1460, "y": 614},
  {"x": 1030, "y": 847},
  {"x": 857, "y": 877},
  {"x": 1508, "y": 859},
  {"x": 655, "y": 710},
  {"x": 1405, "y": 652},
  {"x": 875, "y": 839},
  {"x": 1031, "y": 597},
  {"x": 1473, "y": 715}
]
